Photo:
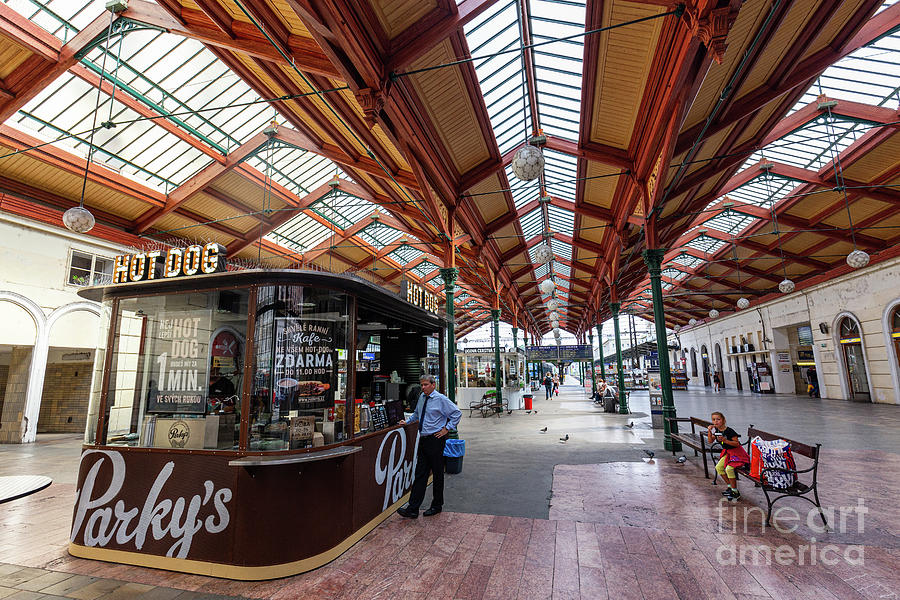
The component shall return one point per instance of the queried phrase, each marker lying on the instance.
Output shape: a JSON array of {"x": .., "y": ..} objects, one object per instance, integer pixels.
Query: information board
[{"x": 566, "y": 353}]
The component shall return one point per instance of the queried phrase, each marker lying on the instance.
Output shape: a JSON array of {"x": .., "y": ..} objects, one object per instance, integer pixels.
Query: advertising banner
[
  {"x": 179, "y": 376},
  {"x": 305, "y": 356}
]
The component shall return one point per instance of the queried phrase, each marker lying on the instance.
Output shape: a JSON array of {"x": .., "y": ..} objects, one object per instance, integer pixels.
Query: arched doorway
[
  {"x": 704, "y": 357},
  {"x": 693, "y": 363},
  {"x": 854, "y": 360},
  {"x": 892, "y": 334},
  {"x": 720, "y": 366}
]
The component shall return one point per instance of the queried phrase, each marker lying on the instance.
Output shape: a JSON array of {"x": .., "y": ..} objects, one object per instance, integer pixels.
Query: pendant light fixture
[
  {"x": 78, "y": 218},
  {"x": 786, "y": 286},
  {"x": 713, "y": 314},
  {"x": 528, "y": 161}
]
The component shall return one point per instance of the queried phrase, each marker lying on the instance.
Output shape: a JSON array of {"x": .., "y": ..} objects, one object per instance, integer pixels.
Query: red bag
[{"x": 756, "y": 462}]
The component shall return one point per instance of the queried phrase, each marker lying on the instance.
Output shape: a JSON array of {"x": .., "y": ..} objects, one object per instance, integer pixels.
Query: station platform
[{"x": 533, "y": 516}]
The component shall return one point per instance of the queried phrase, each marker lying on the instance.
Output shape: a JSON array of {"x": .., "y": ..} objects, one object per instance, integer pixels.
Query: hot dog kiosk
[{"x": 224, "y": 435}]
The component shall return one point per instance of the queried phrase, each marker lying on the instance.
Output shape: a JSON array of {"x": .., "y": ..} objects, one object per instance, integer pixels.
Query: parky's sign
[{"x": 175, "y": 262}]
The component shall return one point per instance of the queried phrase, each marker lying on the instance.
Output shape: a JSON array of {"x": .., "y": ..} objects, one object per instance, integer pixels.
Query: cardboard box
[{"x": 179, "y": 433}]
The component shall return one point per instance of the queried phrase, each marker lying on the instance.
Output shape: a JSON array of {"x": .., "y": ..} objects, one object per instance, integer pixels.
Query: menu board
[
  {"x": 179, "y": 375},
  {"x": 305, "y": 371}
]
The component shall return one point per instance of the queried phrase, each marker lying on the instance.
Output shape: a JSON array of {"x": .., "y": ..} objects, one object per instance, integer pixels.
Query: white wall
[
  {"x": 34, "y": 262},
  {"x": 865, "y": 294}
]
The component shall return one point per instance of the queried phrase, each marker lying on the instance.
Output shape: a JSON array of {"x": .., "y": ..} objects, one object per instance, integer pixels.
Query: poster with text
[
  {"x": 179, "y": 377},
  {"x": 305, "y": 356}
]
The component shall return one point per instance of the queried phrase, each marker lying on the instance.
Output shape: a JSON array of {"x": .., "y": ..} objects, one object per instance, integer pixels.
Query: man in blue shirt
[{"x": 435, "y": 415}]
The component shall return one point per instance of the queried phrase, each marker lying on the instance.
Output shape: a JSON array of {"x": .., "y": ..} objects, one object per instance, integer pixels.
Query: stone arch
[{"x": 893, "y": 358}]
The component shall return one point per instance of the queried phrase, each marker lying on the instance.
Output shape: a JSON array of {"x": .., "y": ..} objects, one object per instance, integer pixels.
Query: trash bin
[
  {"x": 454, "y": 450},
  {"x": 528, "y": 398}
]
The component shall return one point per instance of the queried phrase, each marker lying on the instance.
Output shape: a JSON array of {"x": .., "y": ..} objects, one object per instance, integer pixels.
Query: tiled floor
[{"x": 625, "y": 529}]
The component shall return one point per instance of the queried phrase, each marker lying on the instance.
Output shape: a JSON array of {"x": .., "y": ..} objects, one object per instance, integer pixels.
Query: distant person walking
[
  {"x": 548, "y": 386},
  {"x": 716, "y": 381},
  {"x": 813, "y": 378},
  {"x": 556, "y": 384}
]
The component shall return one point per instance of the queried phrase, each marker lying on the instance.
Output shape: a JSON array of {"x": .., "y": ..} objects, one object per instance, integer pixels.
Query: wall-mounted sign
[
  {"x": 304, "y": 375},
  {"x": 176, "y": 262},
  {"x": 416, "y": 294}
]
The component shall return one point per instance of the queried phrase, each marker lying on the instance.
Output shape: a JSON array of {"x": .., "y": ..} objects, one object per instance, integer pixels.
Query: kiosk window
[
  {"x": 299, "y": 367},
  {"x": 176, "y": 371}
]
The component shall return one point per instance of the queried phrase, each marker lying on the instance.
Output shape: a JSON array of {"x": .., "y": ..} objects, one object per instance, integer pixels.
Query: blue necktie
[{"x": 422, "y": 417}]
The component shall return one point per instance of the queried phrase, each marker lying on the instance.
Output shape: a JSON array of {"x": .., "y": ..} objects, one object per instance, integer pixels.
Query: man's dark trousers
[{"x": 430, "y": 459}]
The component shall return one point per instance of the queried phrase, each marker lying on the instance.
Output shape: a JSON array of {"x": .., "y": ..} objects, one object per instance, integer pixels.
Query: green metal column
[
  {"x": 623, "y": 402},
  {"x": 653, "y": 259},
  {"x": 498, "y": 375},
  {"x": 600, "y": 345},
  {"x": 593, "y": 378},
  {"x": 449, "y": 276},
  {"x": 516, "y": 339}
]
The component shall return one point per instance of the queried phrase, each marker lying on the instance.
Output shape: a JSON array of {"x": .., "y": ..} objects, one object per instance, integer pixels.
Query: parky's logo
[{"x": 179, "y": 433}]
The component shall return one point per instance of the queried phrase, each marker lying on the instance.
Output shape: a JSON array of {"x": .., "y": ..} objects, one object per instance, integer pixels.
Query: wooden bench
[
  {"x": 798, "y": 489},
  {"x": 488, "y": 405},
  {"x": 697, "y": 440}
]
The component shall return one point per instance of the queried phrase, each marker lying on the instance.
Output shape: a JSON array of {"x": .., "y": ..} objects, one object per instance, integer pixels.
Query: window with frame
[{"x": 89, "y": 269}]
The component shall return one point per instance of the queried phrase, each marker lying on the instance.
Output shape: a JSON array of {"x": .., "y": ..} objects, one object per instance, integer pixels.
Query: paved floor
[{"x": 534, "y": 517}]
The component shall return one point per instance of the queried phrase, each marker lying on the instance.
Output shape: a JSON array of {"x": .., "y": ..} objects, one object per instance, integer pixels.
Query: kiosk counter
[{"x": 244, "y": 424}]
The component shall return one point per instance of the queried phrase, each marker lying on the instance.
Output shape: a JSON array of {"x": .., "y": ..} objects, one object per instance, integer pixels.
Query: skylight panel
[
  {"x": 687, "y": 260},
  {"x": 378, "y": 236},
  {"x": 561, "y": 220},
  {"x": 301, "y": 232},
  {"x": 424, "y": 269},
  {"x": 561, "y": 171},
  {"x": 532, "y": 223},
  {"x": 501, "y": 77},
  {"x": 706, "y": 244},
  {"x": 344, "y": 210},
  {"x": 558, "y": 66},
  {"x": 542, "y": 271},
  {"x": 561, "y": 249},
  {"x": 405, "y": 254},
  {"x": 62, "y": 18}
]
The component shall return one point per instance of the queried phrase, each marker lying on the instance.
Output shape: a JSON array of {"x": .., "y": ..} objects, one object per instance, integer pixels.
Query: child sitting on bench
[{"x": 733, "y": 453}]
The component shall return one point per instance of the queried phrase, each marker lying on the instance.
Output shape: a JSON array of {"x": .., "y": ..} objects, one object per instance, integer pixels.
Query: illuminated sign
[
  {"x": 416, "y": 294},
  {"x": 157, "y": 264}
]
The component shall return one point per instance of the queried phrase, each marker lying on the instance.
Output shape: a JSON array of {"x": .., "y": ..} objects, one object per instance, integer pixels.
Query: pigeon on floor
[
  {"x": 509, "y": 412},
  {"x": 565, "y": 439},
  {"x": 630, "y": 425},
  {"x": 681, "y": 459},
  {"x": 528, "y": 412},
  {"x": 650, "y": 453},
  {"x": 544, "y": 430},
  {"x": 535, "y": 412}
]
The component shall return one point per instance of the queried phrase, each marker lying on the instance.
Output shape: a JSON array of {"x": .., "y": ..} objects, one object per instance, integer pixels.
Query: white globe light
[
  {"x": 677, "y": 328},
  {"x": 554, "y": 316},
  {"x": 557, "y": 334},
  {"x": 78, "y": 219},
  {"x": 692, "y": 322},
  {"x": 552, "y": 304},
  {"x": 713, "y": 314},
  {"x": 858, "y": 259},
  {"x": 528, "y": 162},
  {"x": 742, "y": 303},
  {"x": 555, "y": 324},
  {"x": 786, "y": 286},
  {"x": 547, "y": 286},
  {"x": 542, "y": 254}
]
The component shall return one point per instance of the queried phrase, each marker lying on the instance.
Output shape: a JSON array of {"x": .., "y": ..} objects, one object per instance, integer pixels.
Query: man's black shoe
[
  {"x": 431, "y": 511},
  {"x": 409, "y": 514}
]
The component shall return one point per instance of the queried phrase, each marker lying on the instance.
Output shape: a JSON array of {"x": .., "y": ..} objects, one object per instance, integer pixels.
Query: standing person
[
  {"x": 548, "y": 386},
  {"x": 813, "y": 378},
  {"x": 716, "y": 381},
  {"x": 556, "y": 384},
  {"x": 436, "y": 415}
]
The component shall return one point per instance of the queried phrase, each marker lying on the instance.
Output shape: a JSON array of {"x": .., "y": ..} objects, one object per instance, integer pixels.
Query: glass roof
[
  {"x": 502, "y": 77},
  {"x": 871, "y": 76}
]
